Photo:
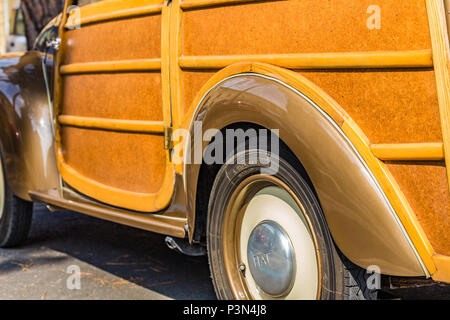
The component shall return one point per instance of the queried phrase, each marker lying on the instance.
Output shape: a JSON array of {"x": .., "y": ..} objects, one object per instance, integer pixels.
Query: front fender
[
  {"x": 361, "y": 219},
  {"x": 26, "y": 134}
]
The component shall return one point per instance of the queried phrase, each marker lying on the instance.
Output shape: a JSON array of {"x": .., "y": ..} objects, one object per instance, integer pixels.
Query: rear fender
[{"x": 364, "y": 224}]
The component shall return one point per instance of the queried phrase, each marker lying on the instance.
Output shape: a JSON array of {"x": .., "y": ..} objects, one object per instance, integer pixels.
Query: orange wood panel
[
  {"x": 127, "y": 96},
  {"x": 192, "y": 82},
  {"x": 113, "y": 82},
  {"x": 136, "y": 38},
  {"x": 425, "y": 186},
  {"x": 132, "y": 162},
  {"x": 305, "y": 26},
  {"x": 385, "y": 104},
  {"x": 382, "y": 102}
]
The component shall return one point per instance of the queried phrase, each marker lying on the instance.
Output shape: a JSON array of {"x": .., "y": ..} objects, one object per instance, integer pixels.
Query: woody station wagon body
[{"x": 362, "y": 111}]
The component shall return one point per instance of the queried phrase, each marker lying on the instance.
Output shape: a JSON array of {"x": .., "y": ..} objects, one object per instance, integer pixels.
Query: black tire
[
  {"x": 340, "y": 278},
  {"x": 15, "y": 220}
]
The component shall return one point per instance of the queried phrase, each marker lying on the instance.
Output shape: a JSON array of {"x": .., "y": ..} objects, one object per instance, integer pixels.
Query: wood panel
[
  {"x": 441, "y": 59},
  {"x": 135, "y": 38},
  {"x": 389, "y": 106},
  {"x": 425, "y": 186},
  {"x": 192, "y": 82},
  {"x": 304, "y": 26},
  {"x": 131, "y": 162},
  {"x": 109, "y": 103},
  {"x": 382, "y": 102},
  {"x": 127, "y": 96}
]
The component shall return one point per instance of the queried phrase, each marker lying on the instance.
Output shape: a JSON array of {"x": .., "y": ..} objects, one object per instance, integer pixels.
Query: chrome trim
[
  {"x": 53, "y": 44},
  {"x": 271, "y": 258}
]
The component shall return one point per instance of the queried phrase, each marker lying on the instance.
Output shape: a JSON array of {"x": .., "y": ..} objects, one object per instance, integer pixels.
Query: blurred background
[{"x": 22, "y": 20}]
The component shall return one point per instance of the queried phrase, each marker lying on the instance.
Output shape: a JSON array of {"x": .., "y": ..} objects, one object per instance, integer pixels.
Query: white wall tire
[
  {"x": 272, "y": 204},
  {"x": 242, "y": 199}
]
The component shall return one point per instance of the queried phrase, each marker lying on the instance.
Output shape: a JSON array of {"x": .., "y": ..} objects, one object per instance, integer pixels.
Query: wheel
[
  {"x": 267, "y": 237},
  {"x": 15, "y": 215}
]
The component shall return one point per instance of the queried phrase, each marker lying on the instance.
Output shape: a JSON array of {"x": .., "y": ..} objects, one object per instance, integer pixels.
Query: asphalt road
[{"x": 115, "y": 262}]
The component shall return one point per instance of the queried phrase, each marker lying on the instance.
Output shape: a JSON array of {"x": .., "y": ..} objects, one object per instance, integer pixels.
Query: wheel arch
[
  {"x": 369, "y": 218},
  {"x": 207, "y": 174}
]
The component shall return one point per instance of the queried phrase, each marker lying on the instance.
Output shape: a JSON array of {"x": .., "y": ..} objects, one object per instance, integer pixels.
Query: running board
[{"x": 151, "y": 222}]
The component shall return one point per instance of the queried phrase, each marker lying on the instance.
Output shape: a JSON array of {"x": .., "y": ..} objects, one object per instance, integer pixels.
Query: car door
[{"x": 112, "y": 103}]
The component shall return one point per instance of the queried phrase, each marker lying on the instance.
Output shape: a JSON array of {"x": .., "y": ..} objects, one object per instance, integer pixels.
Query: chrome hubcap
[
  {"x": 277, "y": 251},
  {"x": 271, "y": 258}
]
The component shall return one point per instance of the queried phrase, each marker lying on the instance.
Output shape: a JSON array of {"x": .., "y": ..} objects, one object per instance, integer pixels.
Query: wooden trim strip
[
  {"x": 409, "y": 151},
  {"x": 112, "y": 66},
  {"x": 200, "y": 4},
  {"x": 441, "y": 51},
  {"x": 58, "y": 81},
  {"x": 114, "y": 15},
  {"x": 359, "y": 60},
  {"x": 134, "y": 126},
  {"x": 176, "y": 83},
  {"x": 165, "y": 67}
]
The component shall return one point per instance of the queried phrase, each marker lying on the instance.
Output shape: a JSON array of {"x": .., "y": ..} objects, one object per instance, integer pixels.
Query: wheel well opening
[{"x": 208, "y": 173}]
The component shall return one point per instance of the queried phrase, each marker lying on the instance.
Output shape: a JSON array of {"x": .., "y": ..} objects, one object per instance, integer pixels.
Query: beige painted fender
[
  {"x": 368, "y": 215},
  {"x": 26, "y": 135}
]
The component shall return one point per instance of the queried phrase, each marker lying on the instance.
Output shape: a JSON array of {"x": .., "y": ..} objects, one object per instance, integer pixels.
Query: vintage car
[{"x": 106, "y": 114}]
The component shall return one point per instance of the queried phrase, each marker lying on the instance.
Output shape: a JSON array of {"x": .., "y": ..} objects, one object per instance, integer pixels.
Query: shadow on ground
[
  {"x": 111, "y": 256},
  {"x": 116, "y": 262}
]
